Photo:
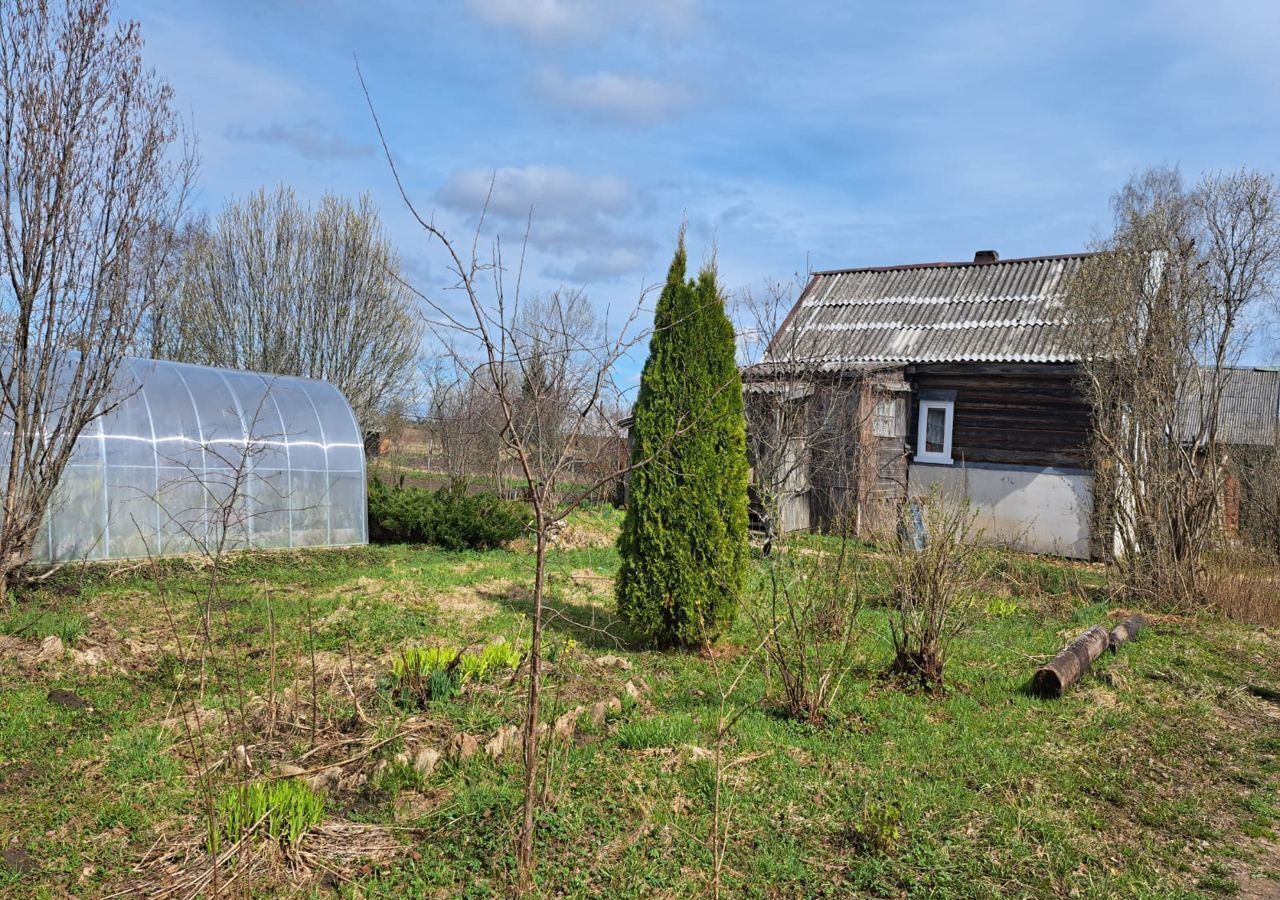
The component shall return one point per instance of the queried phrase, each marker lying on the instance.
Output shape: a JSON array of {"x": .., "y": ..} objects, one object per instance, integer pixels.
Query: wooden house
[{"x": 958, "y": 374}]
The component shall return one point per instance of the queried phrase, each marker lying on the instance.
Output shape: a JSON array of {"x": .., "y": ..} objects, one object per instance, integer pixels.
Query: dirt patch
[
  {"x": 471, "y": 603},
  {"x": 67, "y": 699},
  {"x": 1263, "y": 885},
  {"x": 594, "y": 584},
  {"x": 17, "y": 859},
  {"x": 329, "y": 853},
  {"x": 577, "y": 536}
]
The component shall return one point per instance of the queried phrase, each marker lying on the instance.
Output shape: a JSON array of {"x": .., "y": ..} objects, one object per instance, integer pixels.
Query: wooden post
[
  {"x": 1057, "y": 675},
  {"x": 1125, "y": 631}
]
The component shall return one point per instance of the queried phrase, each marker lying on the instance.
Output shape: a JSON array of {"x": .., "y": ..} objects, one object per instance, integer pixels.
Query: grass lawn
[{"x": 1157, "y": 775}]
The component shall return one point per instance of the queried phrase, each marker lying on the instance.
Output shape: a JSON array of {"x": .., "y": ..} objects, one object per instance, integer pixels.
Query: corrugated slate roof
[
  {"x": 1005, "y": 311},
  {"x": 1249, "y": 411}
]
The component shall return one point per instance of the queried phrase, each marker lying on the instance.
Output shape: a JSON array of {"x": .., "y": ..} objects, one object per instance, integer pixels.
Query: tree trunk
[
  {"x": 1125, "y": 631},
  {"x": 1052, "y": 679},
  {"x": 524, "y": 856}
]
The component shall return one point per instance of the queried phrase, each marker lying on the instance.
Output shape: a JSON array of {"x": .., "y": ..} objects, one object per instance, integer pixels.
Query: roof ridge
[
  {"x": 954, "y": 265},
  {"x": 933, "y": 298}
]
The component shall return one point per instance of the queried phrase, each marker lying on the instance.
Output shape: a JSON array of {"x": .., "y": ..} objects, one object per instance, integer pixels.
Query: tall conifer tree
[{"x": 684, "y": 541}]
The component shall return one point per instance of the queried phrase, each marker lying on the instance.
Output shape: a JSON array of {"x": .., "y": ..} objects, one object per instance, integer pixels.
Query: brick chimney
[{"x": 986, "y": 256}]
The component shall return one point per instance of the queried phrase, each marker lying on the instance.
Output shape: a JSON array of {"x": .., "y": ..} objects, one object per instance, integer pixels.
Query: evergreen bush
[
  {"x": 684, "y": 541},
  {"x": 448, "y": 517}
]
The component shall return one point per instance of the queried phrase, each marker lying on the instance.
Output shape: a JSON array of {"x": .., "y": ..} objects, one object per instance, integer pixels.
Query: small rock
[
  {"x": 90, "y": 658},
  {"x": 599, "y": 712},
  {"x": 611, "y": 661},
  {"x": 631, "y": 690},
  {"x": 326, "y": 780},
  {"x": 567, "y": 724},
  {"x": 425, "y": 761},
  {"x": 51, "y": 649},
  {"x": 463, "y": 747},
  {"x": 402, "y": 758},
  {"x": 503, "y": 740},
  {"x": 289, "y": 770},
  {"x": 67, "y": 699}
]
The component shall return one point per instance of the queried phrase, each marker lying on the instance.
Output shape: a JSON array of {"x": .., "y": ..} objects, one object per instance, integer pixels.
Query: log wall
[{"x": 1025, "y": 414}]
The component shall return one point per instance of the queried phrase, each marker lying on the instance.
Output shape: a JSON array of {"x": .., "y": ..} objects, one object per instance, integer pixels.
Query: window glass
[{"x": 935, "y": 430}]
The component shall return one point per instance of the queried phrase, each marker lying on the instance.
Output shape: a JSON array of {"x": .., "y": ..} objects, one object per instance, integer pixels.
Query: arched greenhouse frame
[{"x": 189, "y": 458}]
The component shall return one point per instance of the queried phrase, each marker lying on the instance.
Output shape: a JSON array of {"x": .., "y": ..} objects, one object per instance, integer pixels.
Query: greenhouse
[{"x": 190, "y": 459}]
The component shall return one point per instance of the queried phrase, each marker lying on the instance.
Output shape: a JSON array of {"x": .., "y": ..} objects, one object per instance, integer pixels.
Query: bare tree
[
  {"x": 465, "y": 422},
  {"x": 162, "y": 287},
  {"x": 816, "y": 459},
  {"x": 91, "y": 188},
  {"x": 550, "y": 380},
  {"x": 1162, "y": 313},
  {"x": 814, "y": 436},
  {"x": 276, "y": 286}
]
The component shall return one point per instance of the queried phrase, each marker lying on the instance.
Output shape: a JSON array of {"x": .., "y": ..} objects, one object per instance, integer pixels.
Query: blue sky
[{"x": 820, "y": 134}]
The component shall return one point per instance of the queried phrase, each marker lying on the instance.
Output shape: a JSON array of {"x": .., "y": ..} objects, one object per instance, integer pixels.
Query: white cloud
[
  {"x": 614, "y": 96},
  {"x": 582, "y": 222},
  {"x": 537, "y": 19},
  {"x": 310, "y": 139},
  {"x": 551, "y": 192},
  {"x": 555, "y": 20},
  {"x": 608, "y": 263}
]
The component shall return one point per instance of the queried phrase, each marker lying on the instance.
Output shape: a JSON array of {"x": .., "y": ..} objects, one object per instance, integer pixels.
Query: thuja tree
[{"x": 684, "y": 541}]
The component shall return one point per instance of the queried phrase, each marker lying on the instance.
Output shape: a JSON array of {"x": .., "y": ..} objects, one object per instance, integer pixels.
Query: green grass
[
  {"x": 1150, "y": 778},
  {"x": 42, "y": 623},
  {"x": 280, "y": 810}
]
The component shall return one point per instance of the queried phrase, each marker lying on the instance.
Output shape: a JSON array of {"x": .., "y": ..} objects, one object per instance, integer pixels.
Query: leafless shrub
[
  {"x": 1161, "y": 314},
  {"x": 463, "y": 425},
  {"x": 90, "y": 195},
  {"x": 935, "y": 568},
  {"x": 810, "y": 618},
  {"x": 232, "y": 494},
  {"x": 1259, "y": 469},
  {"x": 728, "y": 714}
]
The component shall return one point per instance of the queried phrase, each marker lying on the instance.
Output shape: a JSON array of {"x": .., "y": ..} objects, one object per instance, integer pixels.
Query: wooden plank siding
[{"x": 1025, "y": 414}]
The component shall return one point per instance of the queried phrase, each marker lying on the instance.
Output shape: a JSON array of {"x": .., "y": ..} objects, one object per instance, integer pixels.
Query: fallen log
[
  {"x": 1124, "y": 632},
  {"x": 1051, "y": 679}
]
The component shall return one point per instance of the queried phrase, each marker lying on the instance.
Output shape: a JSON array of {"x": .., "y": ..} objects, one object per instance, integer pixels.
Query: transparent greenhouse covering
[{"x": 191, "y": 457}]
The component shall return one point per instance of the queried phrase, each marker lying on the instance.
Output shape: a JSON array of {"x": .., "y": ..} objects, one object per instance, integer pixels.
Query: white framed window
[
  {"x": 884, "y": 420},
  {"x": 933, "y": 441}
]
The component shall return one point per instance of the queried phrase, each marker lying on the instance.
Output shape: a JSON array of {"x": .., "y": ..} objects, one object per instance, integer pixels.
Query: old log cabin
[
  {"x": 957, "y": 374},
  {"x": 883, "y": 382}
]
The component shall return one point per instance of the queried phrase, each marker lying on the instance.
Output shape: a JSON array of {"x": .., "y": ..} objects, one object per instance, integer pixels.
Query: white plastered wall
[{"x": 1040, "y": 511}]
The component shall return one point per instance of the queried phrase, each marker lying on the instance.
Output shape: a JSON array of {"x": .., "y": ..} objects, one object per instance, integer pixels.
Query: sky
[{"x": 789, "y": 136}]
